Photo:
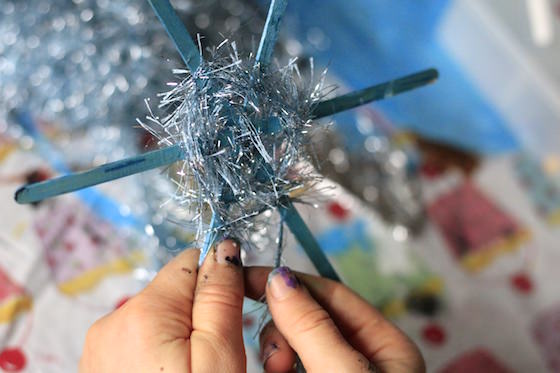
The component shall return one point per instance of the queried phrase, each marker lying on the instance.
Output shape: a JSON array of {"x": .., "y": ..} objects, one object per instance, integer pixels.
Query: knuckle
[
  {"x": 219, "y": 296},
  {"x": 312, "y": 320},
  {"x": 94, "y": 333},
  {"x": 139, "y": 321},
  {"x": 133, "y": 320},
  {"x": 135, "y": 313},
  {"x": 218, "y": 343}
]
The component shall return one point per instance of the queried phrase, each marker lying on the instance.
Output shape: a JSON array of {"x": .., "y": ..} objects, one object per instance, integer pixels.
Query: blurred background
[{"x": 447, "y": 205}]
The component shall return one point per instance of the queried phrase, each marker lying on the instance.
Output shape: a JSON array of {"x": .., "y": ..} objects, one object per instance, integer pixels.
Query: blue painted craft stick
[
  {"x": 375, "y": 93},
  {"x": 270, "y": 31},
  {"x": 211, "y": 237},
  {"x": 99, "y": 203},
  {"x": 303, "y": 235},
  {"x": 177, "y": 32},
  {"x": 107, "y": 172},
  {"x": 26, "y": 121},
  {"x": 102, "y": 205},
  {"x": 280, "y": 247},
  {"x": 166, "y": 156}
]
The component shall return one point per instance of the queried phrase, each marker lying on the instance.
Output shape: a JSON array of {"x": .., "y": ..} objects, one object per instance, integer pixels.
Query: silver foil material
[{"x": 243, "y": 130}]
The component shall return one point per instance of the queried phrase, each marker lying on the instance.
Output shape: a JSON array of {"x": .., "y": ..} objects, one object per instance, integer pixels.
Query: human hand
[
  {"x": 330, "y": 327},
  {"x": 191, "y": 321},
  {"x": 184, "y": 321}
]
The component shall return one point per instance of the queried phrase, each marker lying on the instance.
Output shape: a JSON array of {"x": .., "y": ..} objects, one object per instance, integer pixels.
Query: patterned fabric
[{"x": 62, "y": 267}]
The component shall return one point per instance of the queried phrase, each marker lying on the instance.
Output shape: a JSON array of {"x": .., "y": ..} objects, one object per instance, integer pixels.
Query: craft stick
[
  {"x": 44, "y": 147},
  {"x": 177, "y": 32},
  {"x": 270, "y": 31},
  {"x": 166, "y": 156},
  {"x": 102, "y": 205},
  {"x": 211, "y": 237},
  {"x": 280, "y": 246},
  {"x": 375, "y": 93},
  {"x": 107, "y": 172},
  {"x": 303, "y": 235}
]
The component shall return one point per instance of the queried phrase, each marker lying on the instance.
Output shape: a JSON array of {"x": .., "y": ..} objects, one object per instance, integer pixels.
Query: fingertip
[
  {"x": 307, "y": 326},
  {"x": 186, "y": 256},
  {"x": 281, "y": 362},
  {"x": 183, "y": 267},
  {"x": 275, "y": 352},
  {"x": 190, "y": 253},
  {"x": 282, "y": 284},
  {"x": 226, "y": 252}
]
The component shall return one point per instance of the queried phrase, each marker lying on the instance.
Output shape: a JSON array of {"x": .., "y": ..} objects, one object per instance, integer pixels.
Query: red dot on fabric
[
  {"x": 431, "y": 170},
  {"x": 12, "y": 360},
  {"x": 96, "y": 239},
  {"x": 51, "y": 261},
  {"x": 37, "y": 176},
  {"x": 522, "y": 283},
  {"x": 434, "y": 334},
  {"x": 337, "y": 210},
  {"x": 121, "y": 301},
  {"x": 68, "y": 246}
]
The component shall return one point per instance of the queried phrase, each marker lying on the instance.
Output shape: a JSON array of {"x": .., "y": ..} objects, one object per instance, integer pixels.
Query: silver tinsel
[
  {"x": 80, "y": 62},
  {"x": 88, "y": 64},
  {"x": 383, "y": 175},
  {"x": 243, "y": 131}
]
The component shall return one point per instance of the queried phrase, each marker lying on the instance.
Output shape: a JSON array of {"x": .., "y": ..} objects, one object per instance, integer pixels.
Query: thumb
[
  {"x": 217, "y": 317},
  {"x": 308, "y": 328}
]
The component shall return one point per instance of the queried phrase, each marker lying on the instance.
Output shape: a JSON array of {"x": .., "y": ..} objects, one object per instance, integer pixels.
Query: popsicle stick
[
  {"x": 43, "y": 145},
  {"x": 107, "y": 172},
  {"x": 280, "y": 246},
  {"x": 102, "y": 205},
  {"x": 211, "y": 237},
  {"x": 374, "y": 93},
  {"x": 166, "y": 156},
  {"x": 177, "y": 32},
  {"x": 270, "y": 31},
  {"x": 303, "y": 235}
]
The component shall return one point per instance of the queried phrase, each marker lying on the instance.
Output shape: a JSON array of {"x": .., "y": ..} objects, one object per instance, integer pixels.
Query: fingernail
[
  {"x": 229, "y": 252},
  {"x": 269, "y": 350},
  {"x": 282, "y": 282}
]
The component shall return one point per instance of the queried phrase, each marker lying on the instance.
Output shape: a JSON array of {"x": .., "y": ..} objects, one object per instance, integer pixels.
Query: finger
[
  {"x": 157, "y": 320},
  {"x": 362, "y": 325},
  {"x": 308, "y": 328},
  {"x": 217, "y": 340},
  {"x": 174, "y": 286},
  {"x": 276, "y": 354}
]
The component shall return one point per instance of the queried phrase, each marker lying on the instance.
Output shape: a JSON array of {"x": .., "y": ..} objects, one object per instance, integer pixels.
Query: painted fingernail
[
  {"x": 282, "y": 282},
  {"x": 229, "y": 252},
  {"x": 269, "y": 350}
]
